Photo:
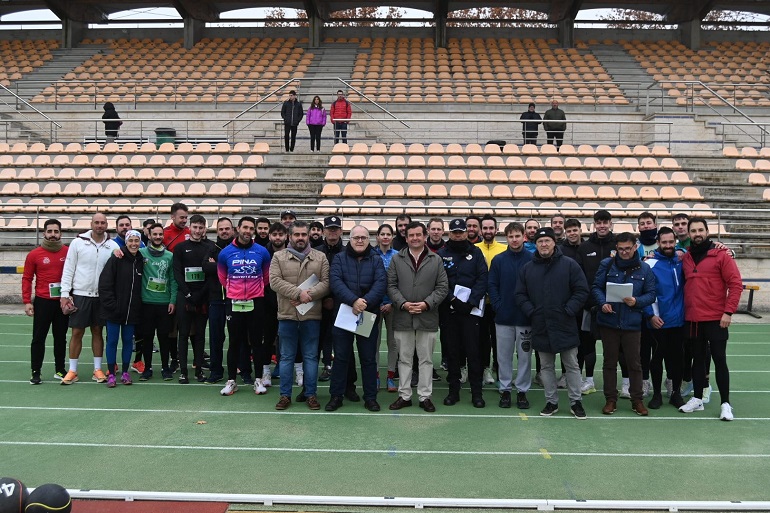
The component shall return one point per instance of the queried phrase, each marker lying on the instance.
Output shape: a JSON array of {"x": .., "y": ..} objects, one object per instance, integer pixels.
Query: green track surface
[{"x": 147, "y": 437}]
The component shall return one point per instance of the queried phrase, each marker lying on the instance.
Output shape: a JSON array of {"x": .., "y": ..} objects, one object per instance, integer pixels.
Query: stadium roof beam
[
  {"x": 77, "y": 11},
  {"x": 201, "y": 11}
]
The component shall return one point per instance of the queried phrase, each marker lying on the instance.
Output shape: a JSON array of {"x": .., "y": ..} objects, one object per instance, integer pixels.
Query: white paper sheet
[
  {"x": 360, "y": 324},
  {"x": 617, "y": 291},
  {"x": 307, "y": 285},
  {"x": 464, "y": 294}
]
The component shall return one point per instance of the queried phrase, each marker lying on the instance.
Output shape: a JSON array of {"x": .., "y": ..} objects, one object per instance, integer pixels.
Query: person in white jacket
[{"x": 86, "y": 257}]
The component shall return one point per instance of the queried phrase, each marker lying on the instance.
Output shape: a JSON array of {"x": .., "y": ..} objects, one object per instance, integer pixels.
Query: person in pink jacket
[{"x": 316, "y": 120}]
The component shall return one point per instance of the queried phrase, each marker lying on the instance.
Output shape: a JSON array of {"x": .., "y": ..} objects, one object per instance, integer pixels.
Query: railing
[
  {"x": 759, "y": 133},
  {"x": 13, "y": 101},
  {"x": 404, "y": 128}
]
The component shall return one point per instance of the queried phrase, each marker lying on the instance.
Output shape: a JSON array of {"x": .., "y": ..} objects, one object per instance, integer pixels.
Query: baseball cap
[
  {"x": 288, "y": 213},
  {"x": 457, "y": 225},
  {"x": 332, "y": 222}
]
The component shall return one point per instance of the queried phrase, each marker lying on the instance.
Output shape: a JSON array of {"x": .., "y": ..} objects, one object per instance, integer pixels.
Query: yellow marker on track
[{"x": 545, "y": 454}]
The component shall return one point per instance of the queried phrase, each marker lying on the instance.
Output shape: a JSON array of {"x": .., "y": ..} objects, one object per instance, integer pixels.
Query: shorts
[{"x": 88, "y": 312}]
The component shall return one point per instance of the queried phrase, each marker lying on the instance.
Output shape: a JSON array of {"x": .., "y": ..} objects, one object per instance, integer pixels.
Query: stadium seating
[{"x": 20, "y": 57}]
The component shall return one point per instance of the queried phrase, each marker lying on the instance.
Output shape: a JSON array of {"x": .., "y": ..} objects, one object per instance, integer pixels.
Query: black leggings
[
  {"x": 668, "y": 345},
  {"x": 315, "y": 137},
  {"x": 704, "y": 336}
]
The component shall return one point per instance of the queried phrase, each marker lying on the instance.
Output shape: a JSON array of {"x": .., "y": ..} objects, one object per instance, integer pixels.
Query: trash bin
[{"x": 164, "y": 135}]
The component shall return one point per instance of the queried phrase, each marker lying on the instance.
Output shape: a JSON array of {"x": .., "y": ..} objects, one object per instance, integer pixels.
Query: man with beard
[
  {"x": 399, "y": 241},
  {"x": 531, "y": 226},
  {"x": 712, "y": 290},
  {"x": 487, "y": 337},
  {"x": 513, "y": 327},
  {"x": 473, "y": 225},
  {"x": 217, "y": 300},
  {"x": 192, "y": 298},
  {"x": 289, "y": 269},
  {"x": 178, "y": 231},
  {"x": 332, "y": 245},
  {"x": 159, "y": 292},
  {"x": 557, "y": 225},
  {"x": 435, "y": 234},
  {"x": 600, "y": 245},
  {"x": 358, "y": 280},
  {"x": 550, "y": 291},
  {"x": 44, "y": 265},
  {"x": 665, "y": 317},
  {"x": 263, "y": 231},
  {"x": 316, "y": 234},
  {"x": 122, "y": 226},
  {"x": 243, "y": 269},
  {"x": 466, "y": 271},
  {"x": 85, "y": 260},
  {"x": 620, "y": 322}
]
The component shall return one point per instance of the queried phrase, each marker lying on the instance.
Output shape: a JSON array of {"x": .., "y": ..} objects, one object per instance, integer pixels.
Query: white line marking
[
  {"x": 356, "y": 414},
  {"x": 388, "y": 451}
]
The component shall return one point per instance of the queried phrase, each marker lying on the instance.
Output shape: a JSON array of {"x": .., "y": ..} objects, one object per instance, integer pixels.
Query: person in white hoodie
[{"x": 88, "y": 253}]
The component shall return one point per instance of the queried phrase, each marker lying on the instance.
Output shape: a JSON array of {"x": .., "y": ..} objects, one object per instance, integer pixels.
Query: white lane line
[
  {"x": 389, "y": 451},
  {"x": 532, "y": 415}
]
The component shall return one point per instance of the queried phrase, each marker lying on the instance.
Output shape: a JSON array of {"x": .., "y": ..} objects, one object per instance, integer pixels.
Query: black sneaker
[
  {"x": 521, "y": 401},
  {"x": 146, "y": 375},
  {"x": 35, "y": 379},
  {"x": 505, "y": 399},
  {"x": 326, "y": 374},
  {"x": 301, "y": 397},
  {"x": 436, "y": 377},
  {"x": 549, "y": 409},
  {"x": 247, "y": 379},
  {"x": 352, "y": 396},
  {"x": 183, "y": 379},
  {"x": 166, "y": 374},
  {"x": 676, "y": 400},
  {"x": 174, "y": 366},
  {"x": 214, "y": 378},
  {"x": 199, "y": 376},
  {"x": 577, "y": 410},
  {"x": 656, "y": 402}
]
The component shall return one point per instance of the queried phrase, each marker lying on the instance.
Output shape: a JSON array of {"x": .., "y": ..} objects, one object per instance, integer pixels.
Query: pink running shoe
[
  {"x": 126, "y": 379},
  {"x": 111, "y": 381}
]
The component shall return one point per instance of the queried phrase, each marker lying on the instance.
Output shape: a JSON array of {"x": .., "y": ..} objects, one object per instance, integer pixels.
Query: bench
[{"x": 749, "y": 306}]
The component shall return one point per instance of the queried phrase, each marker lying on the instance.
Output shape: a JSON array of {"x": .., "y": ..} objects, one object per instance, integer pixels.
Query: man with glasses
[{"x": 620, "y": 322}]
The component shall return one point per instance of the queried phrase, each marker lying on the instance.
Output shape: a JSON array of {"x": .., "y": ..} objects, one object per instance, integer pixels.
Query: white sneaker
[
  {"x": 267, "y": 379},
  {"x": 562, "y": 382},
  {"x": 300, "y": 378},
  {"x": 488, "y": 379},
  {"x": 463, "y": 374},
  {"x": 686, "y": 388},
  {"x": 624, "y": 393},
  {"x": 669, "y": 387},
  {"x": 587, "y": 387},
  {"x": 259, "y": 388},
  {"x": 707, "y": 394},
  {"x": 694, "y": 404},
  {"x": 727, "y": 412},
  {"x": 646, "y": 386},
  {"x": 230, "y": 387}
]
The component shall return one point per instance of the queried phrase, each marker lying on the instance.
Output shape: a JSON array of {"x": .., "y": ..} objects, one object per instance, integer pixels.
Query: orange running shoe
[
  {"x": 138, "y": 366},
  {"x": 70, "y": 378},
  {"x": 99, "y": 376}
]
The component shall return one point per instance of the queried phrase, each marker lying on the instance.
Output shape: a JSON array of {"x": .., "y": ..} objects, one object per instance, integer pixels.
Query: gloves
[{"x": 461, "y": 307}]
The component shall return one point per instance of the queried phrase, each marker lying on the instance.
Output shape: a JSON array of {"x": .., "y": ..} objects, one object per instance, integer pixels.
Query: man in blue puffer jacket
[
  {"x": 620, "y": 323},
  {"x": 357, "y": 279},
  {"x": 666, "y": 318}
]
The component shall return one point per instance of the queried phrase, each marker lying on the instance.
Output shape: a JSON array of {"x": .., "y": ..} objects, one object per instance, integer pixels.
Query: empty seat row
[
  {"x": 496, "y": 161},
  {"x": 503, "y": 175},
  {"x": 602, "y": 150},
  {"x": 128, "y": 174},
  {"x": 745, "y": 152},
  {"x": 584, "y": 192},
  {"x": 120, "y": 189},
  {"x": 120, "y": 160},
  {"x": 133, "y": 148},
  {"x": 747, "y": 165}
]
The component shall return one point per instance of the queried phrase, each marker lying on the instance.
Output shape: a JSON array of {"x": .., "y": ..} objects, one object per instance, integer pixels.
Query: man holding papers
[
  {"x": 466, "y": 271},
  {"x": 624, "y": 286},
  {"x": 292, "y": 271},
  {"x": 417, "y": 284},
  {"x": 358, "y": 283}
]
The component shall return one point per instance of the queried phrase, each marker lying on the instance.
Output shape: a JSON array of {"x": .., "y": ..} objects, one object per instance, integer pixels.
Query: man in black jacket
[
  {"x": 292, "y": 113},
  {"x": 217, "y": 300},
  {"x": 466, "y": 270},
  {"x": 332, "y": 245},
  {"x": 600, "y": 245},
  {"x": 192, "y": 298},
  {"x": 551, "y": 290}
]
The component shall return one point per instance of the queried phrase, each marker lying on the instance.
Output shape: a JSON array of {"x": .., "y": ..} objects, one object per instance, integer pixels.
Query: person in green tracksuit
[{"x": 159, "y": 291}]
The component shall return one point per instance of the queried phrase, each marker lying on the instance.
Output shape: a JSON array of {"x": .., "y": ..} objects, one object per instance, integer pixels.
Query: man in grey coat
[
  {"x": 417, "y": 284},
  {"x": 554, "y": 125},
  {"x": 551, "y": 290}
]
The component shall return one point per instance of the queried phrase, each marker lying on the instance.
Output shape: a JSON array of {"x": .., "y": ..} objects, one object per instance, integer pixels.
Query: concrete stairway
[{"x": 331, "y": 60}]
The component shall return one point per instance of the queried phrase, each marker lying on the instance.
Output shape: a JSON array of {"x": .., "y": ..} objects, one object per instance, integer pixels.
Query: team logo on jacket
[{"x": 46, "y": 260}]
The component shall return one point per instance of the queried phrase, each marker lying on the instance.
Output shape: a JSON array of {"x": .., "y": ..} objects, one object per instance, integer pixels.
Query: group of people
[
  {"x": 554, "y": 123},
  {"x": 282, "y": 289},
  {"x": 292, "y": 113}
]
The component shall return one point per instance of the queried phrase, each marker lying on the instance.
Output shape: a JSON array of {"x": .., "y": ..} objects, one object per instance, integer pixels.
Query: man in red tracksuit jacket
[
  {"x": 339, "y": 112},
  {"x": 44, "y": 265},
  {"x": 712, "y": 290}
]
